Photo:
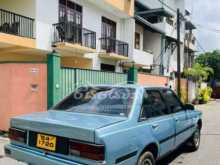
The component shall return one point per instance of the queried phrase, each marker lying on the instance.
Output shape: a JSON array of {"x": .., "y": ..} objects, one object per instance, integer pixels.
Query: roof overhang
[
  {"x": 155, "y": 12},
  {"x": 148, "y": 25},
  {"x": 13, "y": 45},
  {"x": 112, "y": 56},
  {"x": 171, "y": 39},
  {"x": 190, "y": 25},
  {"x": 69, "y": 49}
]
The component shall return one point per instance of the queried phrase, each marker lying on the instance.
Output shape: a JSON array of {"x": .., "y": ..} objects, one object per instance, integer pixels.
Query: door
[
  {"x": 155, "y": 111},
  {"x": 182, "y": 120},
  {"x": 108, "y": 35},
  {"x": 70, "y": 16}
]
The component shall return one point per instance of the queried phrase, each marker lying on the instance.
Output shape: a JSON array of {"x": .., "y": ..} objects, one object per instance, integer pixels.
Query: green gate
[
  {"x": 63, "y": 81},
  {"x": 72, "y": 78}
]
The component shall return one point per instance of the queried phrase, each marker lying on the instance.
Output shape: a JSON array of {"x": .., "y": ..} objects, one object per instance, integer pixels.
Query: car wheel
[
  {"x": 146, "y": 158},
  {"x": 195, "y": 140}
]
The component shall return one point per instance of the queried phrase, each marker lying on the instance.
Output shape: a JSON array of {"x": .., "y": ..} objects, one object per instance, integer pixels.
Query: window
[
  {"x": 115, "y": 101},
  {"x": 107, "y": 67},
  {"x": 70, "y": 12},
  {"x": 153, "y": 105},
  {"x": 108, "y": 28},
  {"x": 172, "y": 101},
  {"x": 137, "y": 40}
]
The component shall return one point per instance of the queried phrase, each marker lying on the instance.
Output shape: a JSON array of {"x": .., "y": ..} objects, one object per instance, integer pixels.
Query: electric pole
[{"x": 178, "y": 55}]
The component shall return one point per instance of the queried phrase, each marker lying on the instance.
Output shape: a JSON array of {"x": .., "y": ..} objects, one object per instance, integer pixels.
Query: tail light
[
  {"x": 17, "y": 135},
  {"x": 89, "y": 151}
]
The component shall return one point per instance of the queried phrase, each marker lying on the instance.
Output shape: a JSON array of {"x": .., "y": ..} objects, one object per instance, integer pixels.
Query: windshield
[{"x": 99, "y": 100}]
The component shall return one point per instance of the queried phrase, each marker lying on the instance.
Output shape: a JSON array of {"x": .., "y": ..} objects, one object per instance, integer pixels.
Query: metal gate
[{"x": 72, "y": 78}]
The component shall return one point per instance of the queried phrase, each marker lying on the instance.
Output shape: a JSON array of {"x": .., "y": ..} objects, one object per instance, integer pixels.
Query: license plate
[{"x": 46, "y": 142}]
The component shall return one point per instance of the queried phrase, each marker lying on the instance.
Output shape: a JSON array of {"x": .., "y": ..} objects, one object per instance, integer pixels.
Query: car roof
[{"x": 136, "y": 86}]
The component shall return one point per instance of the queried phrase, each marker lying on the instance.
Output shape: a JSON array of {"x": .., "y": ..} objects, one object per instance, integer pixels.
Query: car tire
[
  {"x": 194, "y": 141},
  {"x": 146, "y": 158}
]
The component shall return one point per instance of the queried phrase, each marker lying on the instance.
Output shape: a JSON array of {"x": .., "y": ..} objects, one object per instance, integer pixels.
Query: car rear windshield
[{"x": 99, "y": 100}]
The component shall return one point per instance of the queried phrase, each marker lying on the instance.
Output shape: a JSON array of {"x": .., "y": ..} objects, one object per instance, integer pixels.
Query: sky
[{"x": 206, "y": 16}]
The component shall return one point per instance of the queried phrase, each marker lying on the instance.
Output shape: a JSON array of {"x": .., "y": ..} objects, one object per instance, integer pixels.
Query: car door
[
  {"x": 182, "y": 120},
  {"x": 155, "y": 112}
]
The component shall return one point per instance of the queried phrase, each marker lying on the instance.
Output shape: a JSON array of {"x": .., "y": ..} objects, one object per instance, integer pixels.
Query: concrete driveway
[{"x": 208, "y": 154}]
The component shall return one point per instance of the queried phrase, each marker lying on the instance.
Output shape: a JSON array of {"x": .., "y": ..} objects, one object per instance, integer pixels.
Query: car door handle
[{"x": 155, "y": 126}]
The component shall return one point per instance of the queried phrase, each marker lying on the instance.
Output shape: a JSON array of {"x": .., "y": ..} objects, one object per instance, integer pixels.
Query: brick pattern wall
[{"x": 152, "y": 80}]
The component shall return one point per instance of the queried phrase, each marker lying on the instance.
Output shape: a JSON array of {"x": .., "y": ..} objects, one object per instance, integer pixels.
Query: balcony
[
  {"x": 73, "y": 38},
  {"x": 16, "y": 30},
  {"x": 143, "y": 58},
  {"x": 190, "y": 42},
  {"x": 114, "y": 49},
  {"x": 170, "y": 30}
]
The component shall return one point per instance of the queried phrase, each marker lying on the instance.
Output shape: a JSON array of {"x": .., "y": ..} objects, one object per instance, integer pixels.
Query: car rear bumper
[{"x": 34, "y": 157}]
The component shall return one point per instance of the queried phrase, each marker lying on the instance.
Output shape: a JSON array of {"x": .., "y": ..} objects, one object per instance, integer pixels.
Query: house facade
[
  {"x": 190, "y": 41},
  {"x": 49, "y": 48},
  {"x": 104, "y": 35},
  {"x": 160, "y": 21},
  {"x": 87, "y": 34}
]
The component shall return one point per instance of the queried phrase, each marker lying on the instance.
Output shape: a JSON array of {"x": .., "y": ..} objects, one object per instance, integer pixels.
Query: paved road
[
  {"x": 4, "y": 160},
  {"x": 208, "y": 154}
]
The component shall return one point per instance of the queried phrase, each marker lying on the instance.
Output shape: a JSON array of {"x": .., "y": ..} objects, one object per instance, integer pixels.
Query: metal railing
[
  {"x": 16, "y": 24},
  {"x": 112, "y": 45},
  {"x": 73, "y": 33}
]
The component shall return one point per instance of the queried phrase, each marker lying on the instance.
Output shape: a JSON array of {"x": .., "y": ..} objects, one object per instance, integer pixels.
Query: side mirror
[{"x": 189, "y": 107}]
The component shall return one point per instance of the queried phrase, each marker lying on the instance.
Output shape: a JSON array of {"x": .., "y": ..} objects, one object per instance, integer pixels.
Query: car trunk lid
[{"x": 71, "y": 125}]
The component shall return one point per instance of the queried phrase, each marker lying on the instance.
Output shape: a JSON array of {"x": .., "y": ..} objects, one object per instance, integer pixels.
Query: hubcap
[
  {"x": 196, "y": 138},
  {"x": 147, "y": 162}
]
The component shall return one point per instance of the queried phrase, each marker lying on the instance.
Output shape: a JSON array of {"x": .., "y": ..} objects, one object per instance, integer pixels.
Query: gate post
[
  {"x": 132, "y": 75},
  {"x": 53, "y": 78}
]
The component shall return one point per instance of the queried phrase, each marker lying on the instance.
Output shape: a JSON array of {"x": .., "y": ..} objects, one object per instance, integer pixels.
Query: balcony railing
[
  {"x": 112, "y": 45},
  {"x": 16, "y": 24},
  {"x": 73, "y": 33}
]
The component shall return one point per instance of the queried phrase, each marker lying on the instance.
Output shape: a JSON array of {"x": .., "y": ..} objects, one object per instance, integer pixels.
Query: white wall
[
  {"x": 150, "y": 46},
  {"x": 127, "y": 33},
  {"x": 22, "y": 7},
  {"x": 97, "y": 61},
  {"x": 92, "y": 20},
  {"x": 151, "y": 3},
  {"x": 143, "y": 58},
  {"x": 171, "y": 60},
  {"x": 152, "y": 42},
  {"x": 46, "y": 16},
  {"x": 192, "y": 91}
]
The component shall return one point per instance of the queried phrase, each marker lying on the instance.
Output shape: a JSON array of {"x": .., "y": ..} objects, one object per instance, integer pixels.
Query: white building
[
  {"x": 190, "y": 40},
  {"x": 90, "y": 34},
  {"x": 94, "y": 34},
  {"x": 160, "y": 16}
]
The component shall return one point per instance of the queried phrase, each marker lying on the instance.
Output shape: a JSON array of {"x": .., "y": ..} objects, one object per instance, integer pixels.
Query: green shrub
[{"x": 205, "y": 95}]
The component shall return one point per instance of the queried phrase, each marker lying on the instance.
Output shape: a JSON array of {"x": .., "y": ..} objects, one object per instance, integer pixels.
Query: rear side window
[
  {"x": 172, "y": 101},
  {"x": 153, "y": 105}
]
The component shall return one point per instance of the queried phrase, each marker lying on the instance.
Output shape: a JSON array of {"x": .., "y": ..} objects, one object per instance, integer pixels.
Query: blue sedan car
[{"x": 106, "y": 125}]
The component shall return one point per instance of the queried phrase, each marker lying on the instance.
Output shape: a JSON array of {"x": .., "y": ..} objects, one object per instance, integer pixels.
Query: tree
[
  {"x": 198, "y": 72},
  {"x": 212, "y": 60}
]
